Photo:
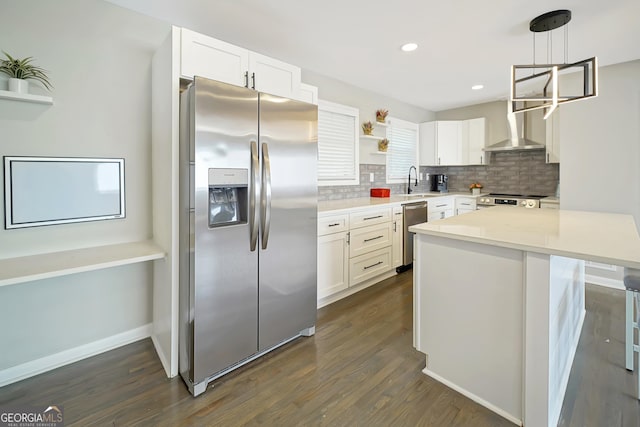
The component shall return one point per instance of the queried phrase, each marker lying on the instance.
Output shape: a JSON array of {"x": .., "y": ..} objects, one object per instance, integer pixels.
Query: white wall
[
  {"x": 99, "y": 61},
  {"x": 330, "y": 89},
  {"x": 600, "y": 148}
]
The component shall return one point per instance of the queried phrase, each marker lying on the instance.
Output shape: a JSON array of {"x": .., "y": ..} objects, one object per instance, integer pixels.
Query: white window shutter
[
  {"x": 337, "y": 144},
  {"x": 402, "y": 151}
]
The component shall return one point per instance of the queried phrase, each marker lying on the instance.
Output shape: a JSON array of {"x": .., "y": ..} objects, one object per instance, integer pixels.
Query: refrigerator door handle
[
  {"x": 253, "y": 196},
  {"x": 265, "y": 196}
]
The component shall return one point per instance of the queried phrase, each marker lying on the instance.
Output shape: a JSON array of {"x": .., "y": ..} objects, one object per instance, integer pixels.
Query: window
[
  {"x": 337, "y": 144},
  {"x": 403, "y": 149}
]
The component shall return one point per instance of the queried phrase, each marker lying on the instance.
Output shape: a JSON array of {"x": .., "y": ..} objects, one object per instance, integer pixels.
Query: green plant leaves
[{"x": 23, "y": 69}]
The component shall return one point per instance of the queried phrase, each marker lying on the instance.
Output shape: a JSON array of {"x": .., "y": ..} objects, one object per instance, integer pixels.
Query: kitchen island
[{"x": 499, "y": 301}]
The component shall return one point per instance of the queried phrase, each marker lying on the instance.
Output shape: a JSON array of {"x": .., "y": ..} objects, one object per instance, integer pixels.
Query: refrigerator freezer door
[
  {"x": 225, "y": 271},
  {"x": 287, "y": 297}
]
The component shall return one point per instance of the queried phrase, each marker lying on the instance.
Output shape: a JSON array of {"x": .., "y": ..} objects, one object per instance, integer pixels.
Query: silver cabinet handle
[
  {"x": 481, "y": 162},
  {"x": 253, "y": 197},
  {"x": 547, "y": 157},
  {"x": 334, "y": 225},
  {"x": 395, "y": 224},
  {"x": 373, "y": 238},
  {"x": 439, "y": 206},
  {"x": 372, "y": 265},
  {"x": 372, "y": 217},
  {"x": 348, "y": 238},
  {"x": 253, "y": 81},
  {"x": 246, "y": 79},
  {"x": 265, "y": 196}
]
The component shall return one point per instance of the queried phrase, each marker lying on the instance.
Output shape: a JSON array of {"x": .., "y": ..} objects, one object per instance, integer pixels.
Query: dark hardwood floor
[{"x": 360, "y": 369}]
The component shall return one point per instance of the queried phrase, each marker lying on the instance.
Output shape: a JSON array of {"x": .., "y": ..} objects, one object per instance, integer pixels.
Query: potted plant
[
  {"x": 383, "y": 144},
  {"x": 22, "y": 70},
  {"x": 367, "y": 128},
  {"x": 381, "y": 115},
  {"x": 475, "y": 188}
]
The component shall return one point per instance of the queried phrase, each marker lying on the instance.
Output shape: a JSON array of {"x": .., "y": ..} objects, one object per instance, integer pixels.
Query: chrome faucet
[{"x": 409, "y": 180}]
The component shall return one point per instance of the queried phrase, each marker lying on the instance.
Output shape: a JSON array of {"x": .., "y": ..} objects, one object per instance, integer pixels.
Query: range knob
[
  {"x": 523, "y": 203},
  {"x": 530, "y": 203}
]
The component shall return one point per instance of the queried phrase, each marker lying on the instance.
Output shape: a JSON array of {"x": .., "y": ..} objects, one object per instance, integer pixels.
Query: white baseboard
[
  {"x": 161, "y": 356},
  {"x": 53, "y": 361},
  {"x": 473, "y": 397},
  {"x": 604, "y": 281}
]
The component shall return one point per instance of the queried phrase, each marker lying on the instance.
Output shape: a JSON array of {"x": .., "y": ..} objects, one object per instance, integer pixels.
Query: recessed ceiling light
[
  {"x": 477, "y": 87},
  {"x": 409, "y": 47}
]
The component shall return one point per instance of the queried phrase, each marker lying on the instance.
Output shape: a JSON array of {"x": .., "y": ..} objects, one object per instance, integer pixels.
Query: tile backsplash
[{"x": 515, "y": 172}]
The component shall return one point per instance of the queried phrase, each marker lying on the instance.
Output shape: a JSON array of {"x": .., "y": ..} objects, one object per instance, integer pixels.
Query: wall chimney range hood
[{"x": 517, "y": 135}]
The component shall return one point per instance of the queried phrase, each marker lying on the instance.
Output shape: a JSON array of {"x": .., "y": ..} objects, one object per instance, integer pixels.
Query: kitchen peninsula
[{"x": 499, "y": 301}]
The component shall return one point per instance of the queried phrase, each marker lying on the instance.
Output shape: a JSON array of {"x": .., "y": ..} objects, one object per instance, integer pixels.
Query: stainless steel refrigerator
[{"x": 248, "y": 218}]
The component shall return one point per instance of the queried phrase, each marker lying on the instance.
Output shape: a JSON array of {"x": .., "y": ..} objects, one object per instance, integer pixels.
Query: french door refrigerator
[{"x": 248, "y": 218}]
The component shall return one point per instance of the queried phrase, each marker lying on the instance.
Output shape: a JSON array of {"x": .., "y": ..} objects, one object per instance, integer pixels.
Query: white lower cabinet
[
  {"x": 333, "y": 263},
  {"x": 369, "y": 265},
  {"x": 440, "y": 208},
  {"x": 356, "y": 246},
  {"x": 465, "y": 205},
  {"x": 397, "y": 243}
]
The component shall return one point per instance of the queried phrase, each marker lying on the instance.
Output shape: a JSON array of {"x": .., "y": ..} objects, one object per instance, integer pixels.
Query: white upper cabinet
[
  {"x": 473, "y": 141},
  {"x": 553, "y": 137},
  {"x": 207, "y": 57},
  {"x": 272, "y": 76},
  {"x": 308, "y": 93},
  {"x": 440, "y": 143},
  {"x": 214, "y": 59},
  {"x": 452, "y": 142}
]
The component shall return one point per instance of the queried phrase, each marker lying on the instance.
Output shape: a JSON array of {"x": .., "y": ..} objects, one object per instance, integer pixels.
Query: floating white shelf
[
  {"x": 54, "y": 264},
  {"x": 26, "y": 97},
  {"x": 371, "y": 137},
  {"x": 384, "y": 153},
  {"x": 381, "y": 124}
]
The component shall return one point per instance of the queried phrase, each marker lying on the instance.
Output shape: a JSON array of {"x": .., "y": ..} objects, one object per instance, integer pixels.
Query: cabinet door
[
  {"x": 398, "y": 238},
  {"x": 473, "y": 140},
  {"x": 427, "y": 144},
  {"x": 553, "y": 137},
  {"x": 214, "y": 59},
  {"x": 449, "y": 145},
  {"x": 333, "y": 264},
  {"x": 272, "y": 76}
]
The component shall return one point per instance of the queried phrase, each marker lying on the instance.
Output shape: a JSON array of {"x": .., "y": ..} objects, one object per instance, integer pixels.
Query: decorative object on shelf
[
  {"x": 475, "y": 188},
  {"x": 383, "y": 144},
  {"x": 367, "y": 128},
  {"x": 381, "y": 115},
  {"x": 22, "y": 70},
  {"x": 380, "y": 192},
  {"x": 537, "y": 85}
]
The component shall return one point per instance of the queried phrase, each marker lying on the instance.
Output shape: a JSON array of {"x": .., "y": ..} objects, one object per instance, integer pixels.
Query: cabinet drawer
[
  {"x": 466, "y": 203},
  {"x": 367, "y": 239},
  {"x": 369, "y": 265},
  {"x": 332, "y": 224},
  {"x": 369, "y": 217},
  {"x": 440, "y": 204}
]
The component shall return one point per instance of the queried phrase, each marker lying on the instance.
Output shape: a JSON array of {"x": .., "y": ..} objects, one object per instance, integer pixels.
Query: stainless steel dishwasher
[{"x": 412, "y": 213}]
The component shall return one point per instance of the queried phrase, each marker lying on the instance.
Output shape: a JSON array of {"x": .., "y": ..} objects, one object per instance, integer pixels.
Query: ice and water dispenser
[{"x": 228, "y": 196}]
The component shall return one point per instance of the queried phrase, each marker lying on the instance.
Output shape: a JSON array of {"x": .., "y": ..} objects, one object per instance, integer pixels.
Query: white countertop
[
  {"x": 365, "y": 202},
  {"x": 592, "y": 236}
]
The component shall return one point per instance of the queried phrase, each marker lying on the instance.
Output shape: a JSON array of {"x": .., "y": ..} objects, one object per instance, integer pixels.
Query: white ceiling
[{"x": 461, "y": 42}]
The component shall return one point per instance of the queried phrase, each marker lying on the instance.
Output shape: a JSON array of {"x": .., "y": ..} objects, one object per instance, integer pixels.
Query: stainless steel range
[{"x": 515, "y": 200}]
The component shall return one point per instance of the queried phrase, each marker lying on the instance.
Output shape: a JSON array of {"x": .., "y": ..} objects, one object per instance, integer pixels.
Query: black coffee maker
[{"x": 439, "y": 182}]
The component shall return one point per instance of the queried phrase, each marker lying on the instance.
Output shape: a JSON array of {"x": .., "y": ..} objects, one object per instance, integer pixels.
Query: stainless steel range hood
[{"x": 517, "y": 135}]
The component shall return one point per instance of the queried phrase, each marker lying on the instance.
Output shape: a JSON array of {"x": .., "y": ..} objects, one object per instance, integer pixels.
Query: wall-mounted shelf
[
  {"x": 381, "y": 124},
  {"x": 384, "y": 153},
  {"x": 54, "y": 264},
  {"x": 371, "y": 137},
  {"x": 26, "y": 97}
]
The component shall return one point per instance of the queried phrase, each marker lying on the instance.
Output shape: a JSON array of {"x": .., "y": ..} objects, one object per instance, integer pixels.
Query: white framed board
[{"x": 58, "y": 190}]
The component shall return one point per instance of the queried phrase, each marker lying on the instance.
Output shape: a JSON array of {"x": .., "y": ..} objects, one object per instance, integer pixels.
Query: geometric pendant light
[{"x": 535, "y": 86}]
